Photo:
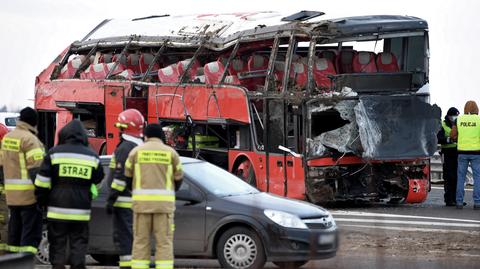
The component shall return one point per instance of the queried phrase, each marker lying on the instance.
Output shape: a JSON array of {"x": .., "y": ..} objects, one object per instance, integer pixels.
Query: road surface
[{"x": 427, "y": 235}]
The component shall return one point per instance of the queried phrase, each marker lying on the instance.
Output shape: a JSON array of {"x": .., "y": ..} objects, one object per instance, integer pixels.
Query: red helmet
[
  {"x": 3, "y": 131},
  {"x": 131, "y": 122}
]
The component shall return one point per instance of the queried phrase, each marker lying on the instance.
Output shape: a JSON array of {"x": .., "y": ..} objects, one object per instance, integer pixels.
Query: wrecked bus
[{"x": 301, "y": 106}]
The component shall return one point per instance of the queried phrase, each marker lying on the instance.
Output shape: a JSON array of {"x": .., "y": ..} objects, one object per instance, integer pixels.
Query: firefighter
[
  {"x": 22, "y": 156},
  {"x": 130, "y": 122},
  {"x": 65, "y": 184},
  {"x": 449, "y": 153},
  {"x": 467, "y": 134},
  {"x": 155, "y": 172},
  {"x": 3, "y": 202}
]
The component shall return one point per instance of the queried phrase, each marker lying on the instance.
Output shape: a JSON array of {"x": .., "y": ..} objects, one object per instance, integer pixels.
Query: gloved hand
[{"x": 109, "y": 208}]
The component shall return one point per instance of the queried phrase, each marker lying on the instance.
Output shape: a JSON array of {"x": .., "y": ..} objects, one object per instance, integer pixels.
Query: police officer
[
  {"x": 65, "y": 184},
  {"x": 3, "y": 202},
  {"x": 467, "y": 133},
  {"x": 449, "y": 153},
  {"x": 22, "y": 156},
  {"x": 155, "y": 172},
  {"x": 130, "y": 122}
]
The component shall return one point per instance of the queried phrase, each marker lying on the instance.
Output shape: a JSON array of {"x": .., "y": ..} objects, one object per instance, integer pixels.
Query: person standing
[
  {"x": 155, "y": 172},
  {"x": 130, "y": 122},
  {"x": 467, "y": 135},
  {"x": 3, "y": 202},
  {"x": 64, "y": 185},
  {"x": 449, "y": 153},
  {"x": 22, "y": 156}
]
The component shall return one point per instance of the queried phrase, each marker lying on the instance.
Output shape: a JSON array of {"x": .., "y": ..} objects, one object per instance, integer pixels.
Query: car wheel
[
  {"x": 42, "y": 255},
  {"x": 240, "y": 247},
  {"x": 245, "y": 171},
  {"x": 105, "y": 259},
  {"x": 290, "y": 265}
]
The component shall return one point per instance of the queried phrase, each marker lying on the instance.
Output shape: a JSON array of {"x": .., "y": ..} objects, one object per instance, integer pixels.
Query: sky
[{"x": 34, "y": 32}]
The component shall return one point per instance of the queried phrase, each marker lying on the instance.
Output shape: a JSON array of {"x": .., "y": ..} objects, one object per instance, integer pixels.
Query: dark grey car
[{"x": 220, "y": 216}]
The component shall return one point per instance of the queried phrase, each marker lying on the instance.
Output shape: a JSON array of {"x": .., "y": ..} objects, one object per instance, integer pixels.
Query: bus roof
[{"x": 223, "y": 29}]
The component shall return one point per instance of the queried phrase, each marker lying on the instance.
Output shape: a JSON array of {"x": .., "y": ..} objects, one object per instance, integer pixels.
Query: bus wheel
[{"x": 245, "y": 171}]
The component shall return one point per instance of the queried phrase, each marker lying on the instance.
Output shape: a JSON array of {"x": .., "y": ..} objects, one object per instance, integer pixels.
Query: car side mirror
[{"x": 188, "y": 196}]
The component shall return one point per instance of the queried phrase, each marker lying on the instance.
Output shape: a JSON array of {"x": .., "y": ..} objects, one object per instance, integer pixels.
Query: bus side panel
[
  {"x": 295, "y": 178},
  {"x": 258, "y": 164},
  {"x": 113, "y": 106}
]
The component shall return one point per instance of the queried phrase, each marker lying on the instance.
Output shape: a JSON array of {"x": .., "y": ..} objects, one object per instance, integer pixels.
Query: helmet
[
  {"x": 131, "y": 122},
  {"x": 3, "y": 131}
]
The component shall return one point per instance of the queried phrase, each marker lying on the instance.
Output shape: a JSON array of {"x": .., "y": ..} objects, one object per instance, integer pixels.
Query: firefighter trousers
[
  {"x": 62, "y": 234},
  {"x": 162, "y": 227},
  {"x": 24, "y": 228},
  {"x": 123, "y": 234},
  {"x": 3, "y": 223}
]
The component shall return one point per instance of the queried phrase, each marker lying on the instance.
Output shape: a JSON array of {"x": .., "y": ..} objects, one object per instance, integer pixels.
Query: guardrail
[{"x": 436, "y": 170}]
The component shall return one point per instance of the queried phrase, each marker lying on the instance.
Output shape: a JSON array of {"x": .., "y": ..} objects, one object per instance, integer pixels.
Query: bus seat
[
  {"x": 100, "y": 71},
  {"x": 322, "y": 68},
  {"x": 68, "y": 71},
  {"x": 387, "y": 62},
  {"x": 256, "y": 63},
  {"x": 364, "y": 62},
  {"x": 298, "y": 72},
  {"x": 123, "y": 60},
  {"x": 213, "y": 73},
  {"x": 330, "y": 55},
  {"x": 105, "y": 58},
  {"x": 168, "y": 74},
  {"x": 237, "y": 66},
  {"x": 144, "y": 62},
  {"x": 133, "y": 63},
  {"x": 344, "y": 61},
  {"x": 182, "y": 66}
]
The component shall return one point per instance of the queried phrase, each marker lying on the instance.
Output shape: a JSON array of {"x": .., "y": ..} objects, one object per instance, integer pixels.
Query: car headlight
[
  {"x": 330, "y": 222},
  {"x": 285, "y": 219}
]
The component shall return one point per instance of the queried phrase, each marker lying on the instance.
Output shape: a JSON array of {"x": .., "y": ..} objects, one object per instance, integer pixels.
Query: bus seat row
[{"x": 351, "y": 61}]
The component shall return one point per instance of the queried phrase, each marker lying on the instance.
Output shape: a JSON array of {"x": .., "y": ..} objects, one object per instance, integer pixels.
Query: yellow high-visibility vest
[
  {"x": 448, "y": 131},
  {"x": 468, "y": 133}
]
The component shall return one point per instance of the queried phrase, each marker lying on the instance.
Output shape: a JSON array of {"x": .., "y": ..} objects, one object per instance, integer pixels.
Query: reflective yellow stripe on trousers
[
  {"x": 123, "y": 202},
  {"x": 140, "y": 264},
  {"x": 164, "y": 264},
  {"x": 22, "y": 249},
  {"x": 68, "y": 213}
]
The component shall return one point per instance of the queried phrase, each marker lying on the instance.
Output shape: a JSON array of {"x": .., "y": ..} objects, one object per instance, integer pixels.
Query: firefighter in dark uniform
[
  {"x": 130, "y": 122},
  {"x": 449, "y": 153},
  {"x": 3, "y": 202},
  {"x": 22, "y": 155},
  {"x": 155, "y": 172},
  {"x": 65, "y": 184}
]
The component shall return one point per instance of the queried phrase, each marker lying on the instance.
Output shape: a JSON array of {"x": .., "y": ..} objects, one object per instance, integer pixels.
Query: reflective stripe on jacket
[
  {"x": 22, "y": 151},
  {"x": 68, "y": 176},
  {"x": 154, "y": 167},
  {"x": 447, "y": 131},
  {"x": 468, "y": 133}
]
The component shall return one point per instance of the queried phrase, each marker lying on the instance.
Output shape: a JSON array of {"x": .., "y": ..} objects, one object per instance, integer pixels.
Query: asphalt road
[{"x": 427, "y": 235}]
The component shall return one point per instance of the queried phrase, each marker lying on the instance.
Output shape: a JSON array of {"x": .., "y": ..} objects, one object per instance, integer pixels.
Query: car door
[{"x": 189, "y": 220}]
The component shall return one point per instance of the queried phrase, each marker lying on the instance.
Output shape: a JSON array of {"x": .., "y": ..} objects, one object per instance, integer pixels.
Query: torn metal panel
[
  {"x": 344, "y": 134},
  {"x": 397, "y": 127}
]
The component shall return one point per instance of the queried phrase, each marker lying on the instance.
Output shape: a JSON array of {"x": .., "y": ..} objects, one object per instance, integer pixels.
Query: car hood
[{"x": 262, "y": 201}]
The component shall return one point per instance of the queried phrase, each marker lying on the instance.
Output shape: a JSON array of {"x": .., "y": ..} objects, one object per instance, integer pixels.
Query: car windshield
[
  {"x": 11, "y": 121},
  {"x": 216, "y": 180}
]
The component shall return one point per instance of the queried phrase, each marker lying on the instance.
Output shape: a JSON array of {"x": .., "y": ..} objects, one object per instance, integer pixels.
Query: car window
[
  {"x": 11, "y": 121},
  {"x": 216, "y": 180}
]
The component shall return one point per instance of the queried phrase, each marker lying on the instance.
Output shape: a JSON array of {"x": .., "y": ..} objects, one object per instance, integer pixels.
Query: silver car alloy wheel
[
  {"x": 43, "y": 249},
  {"x": 240, "y": 251}
]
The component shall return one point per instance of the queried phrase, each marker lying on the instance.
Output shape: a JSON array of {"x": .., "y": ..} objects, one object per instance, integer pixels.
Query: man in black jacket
[
  {"x": 130, "y": 122},
  {"x": 65, "y": 184}
]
